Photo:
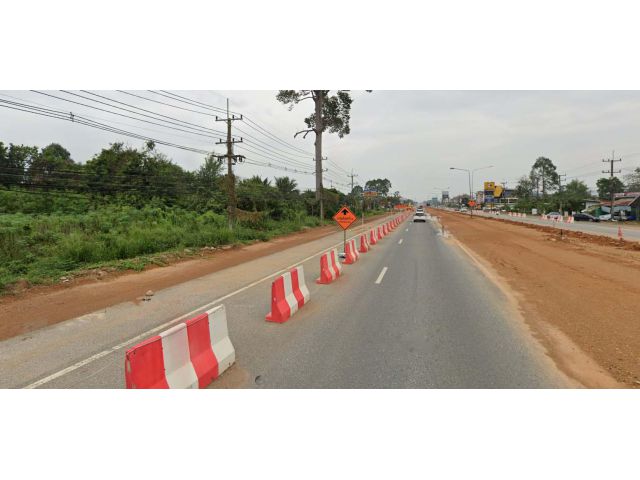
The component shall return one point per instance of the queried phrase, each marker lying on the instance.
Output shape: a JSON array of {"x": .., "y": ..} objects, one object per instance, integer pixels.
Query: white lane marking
[
  {"x": 400, "y": 241},
  {"x": 146, "y": 334},
  {"x": 379, "y": 280}
]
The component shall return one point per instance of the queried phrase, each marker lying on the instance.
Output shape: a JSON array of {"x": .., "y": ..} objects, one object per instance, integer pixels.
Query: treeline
[
  {"x": 125, "y": 175},
  {"x": 543, "y": 188},
  {"x": 127, "y": 207}
]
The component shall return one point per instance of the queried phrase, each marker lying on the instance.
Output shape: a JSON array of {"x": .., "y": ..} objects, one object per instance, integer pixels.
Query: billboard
[
  {"x": 445, "y": 195},
  {"x": 489, "y": 186}
]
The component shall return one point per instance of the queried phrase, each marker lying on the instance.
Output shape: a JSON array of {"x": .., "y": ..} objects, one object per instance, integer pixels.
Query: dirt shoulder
[
  {"x": 578, "y": 294},
  {"x": 42, "y": 306}
]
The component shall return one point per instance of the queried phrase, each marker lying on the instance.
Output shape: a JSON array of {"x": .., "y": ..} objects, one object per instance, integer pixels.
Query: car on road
[
  {"x": 420, "y": 217},
  {"x": 606, "y": 217},
  {"x": 585, "y": 217},
  {"x": 554, "y": 215}
]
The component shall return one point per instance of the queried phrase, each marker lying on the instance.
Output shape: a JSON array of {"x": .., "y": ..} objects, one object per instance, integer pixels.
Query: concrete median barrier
[
  {"x": 289, "y": 293},
  {"x": 190, "y": 354},
  {"x": 330, "y": 267}
]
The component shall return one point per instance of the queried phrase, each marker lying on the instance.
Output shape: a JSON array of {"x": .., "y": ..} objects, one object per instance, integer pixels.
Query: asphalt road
[
  {"x": 431, "y": 321},
  {"x": 608, "y": 229}
]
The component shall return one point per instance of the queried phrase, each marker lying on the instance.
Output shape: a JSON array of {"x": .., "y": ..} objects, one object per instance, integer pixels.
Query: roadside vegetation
[
  {"x": 545, "y": 189},
  {"x": 125, "y": 205}
]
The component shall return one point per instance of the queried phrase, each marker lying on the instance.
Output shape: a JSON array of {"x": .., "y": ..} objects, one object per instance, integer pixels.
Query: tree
[
  {"x": 608, "y": 186},
  {"x": 525, "y": 187},
  {"x": 53, "y": 166},
  {"x": 632, "y": 180},
  {"x": 331, "y": 112},
  {"x": 15, "y": 163},
  {"x": 574, "y": 194},
  {"x": 379, "y": 185},
  {"x": 543, "y": 173},
  {"x": 287, "y": 187}
]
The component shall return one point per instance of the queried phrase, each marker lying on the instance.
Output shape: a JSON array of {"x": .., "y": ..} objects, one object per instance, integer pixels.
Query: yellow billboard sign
[{"x": 489, "y": 186}]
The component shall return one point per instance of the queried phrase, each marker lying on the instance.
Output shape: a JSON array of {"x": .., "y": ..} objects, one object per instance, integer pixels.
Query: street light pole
[
  {"x": 470, "y": 174},
  {"x": 470, "y": 188}
]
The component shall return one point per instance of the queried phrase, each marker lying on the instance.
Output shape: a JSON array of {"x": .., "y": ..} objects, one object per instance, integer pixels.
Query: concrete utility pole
[
  {"x": 560, "y": 175},
  {"x": 231, "y": 160},
  {"x": 611, "y": 172},
  {"x": 319, "y": 128},
  {"x": 352, "y": 175}
]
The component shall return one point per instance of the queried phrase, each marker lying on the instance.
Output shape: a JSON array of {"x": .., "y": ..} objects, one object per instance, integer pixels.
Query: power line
[
  {"x": 200, "y": 127},
  {"x": 296, "y": 166},
  {"x": 263, "y": 145},
  {"x": 126, "y": 116},
  {"x": 246, "y": 119}
]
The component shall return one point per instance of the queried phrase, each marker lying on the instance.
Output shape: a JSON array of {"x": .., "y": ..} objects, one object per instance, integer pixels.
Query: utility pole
[
  {"x": 352, "y": 175},
  {"x": 319, "y": 128},
  {"x": 231, "y": 161},
  {"x": 611, "y": 172},
  {"x": 560, "y": 175}
]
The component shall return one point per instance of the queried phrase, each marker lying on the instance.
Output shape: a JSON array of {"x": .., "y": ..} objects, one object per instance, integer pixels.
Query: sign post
[{"x": 344, "y": 217}]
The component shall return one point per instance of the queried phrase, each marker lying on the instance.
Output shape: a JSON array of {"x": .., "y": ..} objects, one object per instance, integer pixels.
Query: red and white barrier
[
  {"x": 190, "y": 354},
  {"x": 289, "y": 293},
  {"x": 330, "y": 267},
  {"x": 380, "y": 232},
  {"x": 570, "y": 219},
  {"x": 351, "y": 252},
  {"x": 373, "y": 237},
  {"x": 364, "y": 244}
]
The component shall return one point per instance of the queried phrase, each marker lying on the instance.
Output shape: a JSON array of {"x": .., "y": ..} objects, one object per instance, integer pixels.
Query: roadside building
[{"x": 625, "y": 204}]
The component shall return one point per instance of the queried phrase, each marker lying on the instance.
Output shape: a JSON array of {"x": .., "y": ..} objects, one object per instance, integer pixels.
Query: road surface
[
  {"x": 413, "y": 312},
  {"x": 608, "y": 229}
]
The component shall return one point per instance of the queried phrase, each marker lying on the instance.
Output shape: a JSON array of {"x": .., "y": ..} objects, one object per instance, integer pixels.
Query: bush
[{"x": 42, "y": 247}]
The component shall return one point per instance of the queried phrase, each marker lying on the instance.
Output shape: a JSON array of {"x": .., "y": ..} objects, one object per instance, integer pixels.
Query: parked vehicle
[
  {"x": 585, "y": 217},
  {"x": 554, "y": 215}
]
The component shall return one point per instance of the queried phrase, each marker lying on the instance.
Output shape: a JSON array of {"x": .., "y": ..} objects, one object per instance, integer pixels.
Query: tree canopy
[{"x": 608, "y": 185}]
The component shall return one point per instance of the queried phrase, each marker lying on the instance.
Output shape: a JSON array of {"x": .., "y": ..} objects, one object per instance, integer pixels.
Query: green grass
[{"x": 40, "y": 248}]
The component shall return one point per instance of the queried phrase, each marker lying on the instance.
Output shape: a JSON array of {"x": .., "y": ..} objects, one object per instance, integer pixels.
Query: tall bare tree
[{"x": 331, "y": 112}]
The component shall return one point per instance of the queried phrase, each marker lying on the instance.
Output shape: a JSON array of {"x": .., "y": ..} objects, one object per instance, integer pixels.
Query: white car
[{"x": 420, "y": 217}]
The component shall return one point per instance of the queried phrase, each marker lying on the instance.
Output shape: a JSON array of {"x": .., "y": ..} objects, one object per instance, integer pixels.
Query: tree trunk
[{"x": 319, "y": 99}]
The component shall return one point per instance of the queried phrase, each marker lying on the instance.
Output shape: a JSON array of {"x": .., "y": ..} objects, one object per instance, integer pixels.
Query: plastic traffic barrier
[
  {"x": 351, "y": 252},
  {"x": 364, "y": 244},
  {"x": 330, "y": 267},
  {"x": 373, "y": 237},
  {"x": 190, "y": 354},
  {"x": 289, "y": 293},
  {"x": 380, "y": 232}
]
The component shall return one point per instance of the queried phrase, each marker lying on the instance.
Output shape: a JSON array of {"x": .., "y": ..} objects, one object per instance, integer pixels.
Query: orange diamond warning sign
[{"x": 345, "y": 217}]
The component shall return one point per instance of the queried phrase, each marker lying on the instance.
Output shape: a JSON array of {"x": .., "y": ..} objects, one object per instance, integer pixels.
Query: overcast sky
[{"x": 409, "y": 137}]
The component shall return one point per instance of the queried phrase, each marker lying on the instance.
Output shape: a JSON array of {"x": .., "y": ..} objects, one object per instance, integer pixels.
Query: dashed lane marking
[{"x": 379, "y": 280}]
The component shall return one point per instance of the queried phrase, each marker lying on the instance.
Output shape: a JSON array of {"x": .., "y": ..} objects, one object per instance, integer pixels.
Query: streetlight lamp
[{"x": 470, "y": 173}]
